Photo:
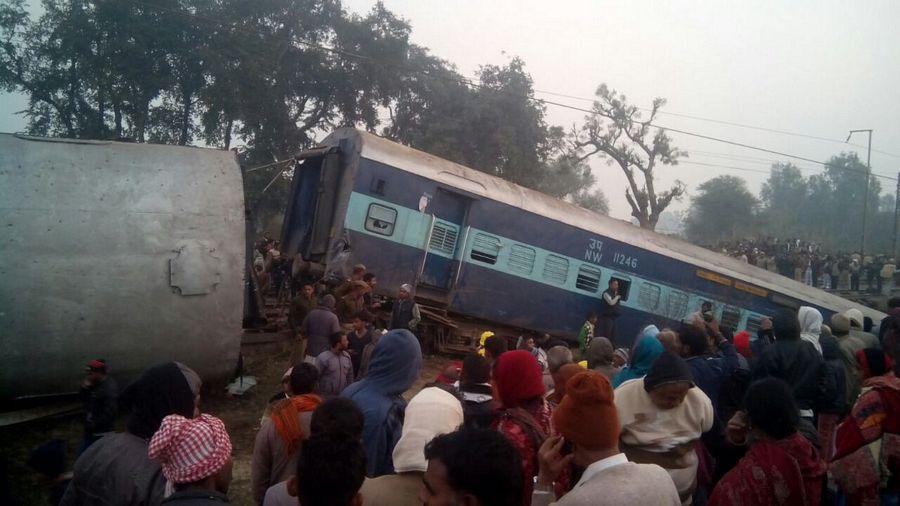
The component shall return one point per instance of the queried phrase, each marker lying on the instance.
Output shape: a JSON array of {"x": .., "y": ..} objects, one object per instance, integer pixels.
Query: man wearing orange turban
[{"x": 587, "y": 419}]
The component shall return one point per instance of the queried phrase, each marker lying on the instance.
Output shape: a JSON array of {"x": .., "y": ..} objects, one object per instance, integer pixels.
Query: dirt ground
[{"x": 240, "y": 414}]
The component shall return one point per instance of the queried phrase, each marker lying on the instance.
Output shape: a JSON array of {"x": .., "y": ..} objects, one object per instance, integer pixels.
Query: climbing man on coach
[{"x": 609, "y": 311}]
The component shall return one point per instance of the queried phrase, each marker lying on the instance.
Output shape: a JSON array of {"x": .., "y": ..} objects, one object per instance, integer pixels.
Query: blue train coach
[{"x": 488, "y": 249}]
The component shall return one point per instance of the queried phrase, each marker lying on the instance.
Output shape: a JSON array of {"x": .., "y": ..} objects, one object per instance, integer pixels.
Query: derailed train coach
[
  {"x": 130, "y": 252},
  {"x": 485, "y": 248}
]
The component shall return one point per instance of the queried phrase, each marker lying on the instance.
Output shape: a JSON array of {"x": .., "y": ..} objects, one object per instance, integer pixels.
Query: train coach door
[{"x": 448, "y": 214}]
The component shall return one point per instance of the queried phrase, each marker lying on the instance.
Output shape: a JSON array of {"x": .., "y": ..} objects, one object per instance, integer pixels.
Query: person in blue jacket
[{"x": 396, "y": 363}]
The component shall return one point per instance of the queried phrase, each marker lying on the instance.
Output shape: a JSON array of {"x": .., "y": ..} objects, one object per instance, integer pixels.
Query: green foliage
[
  {"x": 493, "y": 125},
  {"x": 594, "y": 200},
  {"x": 722, "y": 209},
  {"x": 255, "y": 74},
  {"x": 105, "y": 69},
  {"x": 781, "y": 194},
  {"x": 826, "y": 207}
]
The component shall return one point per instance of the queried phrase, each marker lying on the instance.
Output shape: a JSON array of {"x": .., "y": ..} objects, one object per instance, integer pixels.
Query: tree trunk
[
  {"x": 72, "y": 99},
  {"x": 140, "y": 125},
  {"x": 185, "y": 115},
  {"x": 101, "y": 113},
  {"x": 228, "y": 125},
  {"x": 117, "y": 113}
]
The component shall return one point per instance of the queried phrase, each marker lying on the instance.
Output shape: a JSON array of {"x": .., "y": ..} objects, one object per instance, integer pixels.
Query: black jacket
[
  {"x": 100, "y": 406},
  {"x": 834, "y": 390},
  {"x": 610, "y": 310},
  {"x": 478, "y": 406},
  {"x": 402, "y": 314},
  {"x": 798, "y": 364},
  {"x": 196, "y": 498}
]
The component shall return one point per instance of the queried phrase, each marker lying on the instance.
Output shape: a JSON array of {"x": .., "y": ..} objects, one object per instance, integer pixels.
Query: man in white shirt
[{"x": 587, "y": 420}]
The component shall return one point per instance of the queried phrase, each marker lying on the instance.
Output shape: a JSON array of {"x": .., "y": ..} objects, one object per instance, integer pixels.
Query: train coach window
[
  {"x": 485, "y": 249},
  {"x": 521, "y": 259},
  {"x": 648, "y": 296},
  {"x": 731, "y": 317},
  {"x": 443, "y": 237},
  {"x": 381, "y": 219},
  {"x": 676, "y": 305},
  {"x": 556, "y": 269},
  {"x": 588, "y": 279},
  {"x": 754, "y": 322},
  {"x": 781, "y": 300},
  {"x": 624, "y": 286}
]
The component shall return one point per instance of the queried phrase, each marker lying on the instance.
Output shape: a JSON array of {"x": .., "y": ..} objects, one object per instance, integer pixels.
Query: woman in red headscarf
[
  {"x": 780, "y": 467},
  {"x": 525, "y": 417},
  {"x": 866, "y": 461}
]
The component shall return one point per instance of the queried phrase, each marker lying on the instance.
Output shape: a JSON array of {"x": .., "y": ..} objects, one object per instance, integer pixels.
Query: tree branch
[{"x": 611, "y": 119}]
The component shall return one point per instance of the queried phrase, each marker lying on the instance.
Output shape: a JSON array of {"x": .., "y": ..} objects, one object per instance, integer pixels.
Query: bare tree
[{"x": 615, "y": 130}]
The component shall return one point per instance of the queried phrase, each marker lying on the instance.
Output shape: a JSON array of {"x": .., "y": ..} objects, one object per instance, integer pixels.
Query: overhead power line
[
  {"x": 729, "y": 123},
  {"x": 717, "y": 139},
  {"x": 761, "y": 161},
  {"x": 734, "y": 156},
  {"x": 470, "y": 82},
  {"x": 730, "y": 167}
]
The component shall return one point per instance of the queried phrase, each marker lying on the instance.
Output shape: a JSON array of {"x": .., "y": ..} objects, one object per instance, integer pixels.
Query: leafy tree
[
  {"x": 881, "y": 231},
  {"x": 103, "y": 69},
  {"x": 783, "y": 194},
  {"x": 493, "y": 125},
  {"x": 847, "y": 177},
  {"x": 593, "y": 200},
  {"x": 723, "y": 209},
  {"x": 617, "y": 130},
  {"x": 433, "y": 109},
  {"x": 825, "y": 207},
  {"x": 271, "y": 76}
]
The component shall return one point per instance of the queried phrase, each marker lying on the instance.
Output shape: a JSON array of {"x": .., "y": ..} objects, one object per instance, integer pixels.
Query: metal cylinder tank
[{"x": 133, "y": 253}]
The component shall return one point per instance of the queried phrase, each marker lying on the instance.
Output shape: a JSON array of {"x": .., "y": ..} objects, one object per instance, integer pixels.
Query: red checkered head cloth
[{"x": 190, "y": 450}]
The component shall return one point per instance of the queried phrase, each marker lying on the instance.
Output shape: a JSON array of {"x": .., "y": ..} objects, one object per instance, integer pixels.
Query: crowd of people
[
  {"x": 807, "y": 262},
  {"x": 796, "y": 413}
]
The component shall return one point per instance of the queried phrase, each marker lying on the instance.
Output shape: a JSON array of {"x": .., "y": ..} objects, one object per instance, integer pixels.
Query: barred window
[
  {"x": 556, "y": 269},
  {"x": 731, "y": 317},
  {"x": 443, "y": 238},
  {"x": 521, "y": 259},
  {"x": 648, "y": 296},
  {"x": 588, "y": 279},
  {"x": 676, "y": 306},
  {"x": 754, "y": 322},
  {"x": 485, "y": 249}
]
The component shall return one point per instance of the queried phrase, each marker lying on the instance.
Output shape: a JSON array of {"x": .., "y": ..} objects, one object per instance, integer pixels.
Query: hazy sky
[{"x": 818, "y": 68}]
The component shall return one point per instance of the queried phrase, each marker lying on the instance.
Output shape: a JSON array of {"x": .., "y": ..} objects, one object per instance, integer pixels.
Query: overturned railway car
[
  {"x": 486, "y": 248},
  {"x": 130, "y": 252}
]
